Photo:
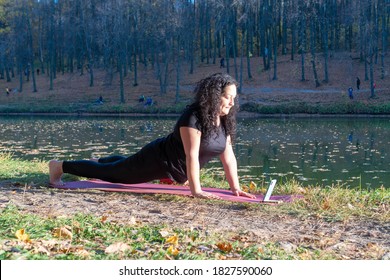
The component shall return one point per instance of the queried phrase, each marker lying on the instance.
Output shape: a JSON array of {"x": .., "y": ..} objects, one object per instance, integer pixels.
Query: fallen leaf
[
  {"x": 132, "y": 221},
  {"x": 164, "y": 233},
  {"x": 326, "y": 204},
  {"x": 302, "y": 190},
  {"x": 76, "y": 227},
  {"x": 224, "y": 246},
  {"x": 173, "y": 251},
  {"x": 82, "y": 253},
  {"x": 117, "y": 247},
  {"x": 252, "y": 186},
  {"x": 220, "y": 257},
  {"x": 173, "y": 240},
  {"x": 62, "y": 232},
  {"x": 22, "y": 235}
]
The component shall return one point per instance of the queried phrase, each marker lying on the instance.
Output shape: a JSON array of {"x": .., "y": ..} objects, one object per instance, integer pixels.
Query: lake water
[{"x": 352, "y": 151}]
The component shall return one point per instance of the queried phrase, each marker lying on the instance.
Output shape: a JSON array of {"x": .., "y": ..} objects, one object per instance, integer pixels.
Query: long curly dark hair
[{"x": 208, "y": 93}]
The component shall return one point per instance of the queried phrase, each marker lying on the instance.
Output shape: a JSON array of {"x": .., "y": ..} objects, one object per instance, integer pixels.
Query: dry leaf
[
  {"x": 22, "y": 236},
  {"x": 326, "y": 204},
  {"x": 164, "y": 233},
  {"x": 224, "y": 246},
  {"x": 173, "y": 251},
  {"x": 62, "y": 232},
  {"x": 82, "y": 253},
  {"x": 252, "y": 186},
  {"x": 173, "y": 240},
  {"x": 220, "y": 257},
  {"x": 117, "y": 247},
  {"x": 245, "y": 188},
  {"x": 302, "y": 190},
  {"x": 42, "y": 250},
  {"x": 132, "y": 221}
]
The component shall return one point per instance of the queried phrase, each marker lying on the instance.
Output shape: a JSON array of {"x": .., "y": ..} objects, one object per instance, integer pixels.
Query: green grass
[{"x": 93, "y": 235}]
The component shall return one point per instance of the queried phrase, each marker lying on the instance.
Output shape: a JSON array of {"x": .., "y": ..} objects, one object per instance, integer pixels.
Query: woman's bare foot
[{"x": 55, "y": 172}]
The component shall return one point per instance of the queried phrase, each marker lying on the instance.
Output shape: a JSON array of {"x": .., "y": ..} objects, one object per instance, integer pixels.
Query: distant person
[
  {"x": 149, "y": 101},
  {"x": 38, "y": 71},
  {"x": 141, "y": 99},
  {"x": 350, "y": 137},
  {"x": 358, "y": 83},
  {"x": 7, "y": 91},
  {"x": 100, "y": 100},
  {"x": 222, "y": 63},
  {"x": 205, "y": 130},
  {"x": 27, "y": 72},
  {"x": 350, "y": 93}
]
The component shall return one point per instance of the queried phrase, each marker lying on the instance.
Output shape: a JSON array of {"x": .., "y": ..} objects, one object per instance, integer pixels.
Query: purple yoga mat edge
[{"x": 150, "y": 188}]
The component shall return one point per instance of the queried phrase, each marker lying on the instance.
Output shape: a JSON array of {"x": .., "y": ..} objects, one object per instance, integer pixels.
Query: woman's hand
[
  {"x": 239, "y": 192},
  {"x": 206, "y": 195}
]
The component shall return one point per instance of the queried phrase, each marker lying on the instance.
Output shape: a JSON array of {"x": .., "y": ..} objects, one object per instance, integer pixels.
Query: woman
[{"x": 205, "y": 130}]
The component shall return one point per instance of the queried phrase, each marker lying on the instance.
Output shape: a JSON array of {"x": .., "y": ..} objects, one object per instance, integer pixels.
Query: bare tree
[{"x": 302, "y": 38}]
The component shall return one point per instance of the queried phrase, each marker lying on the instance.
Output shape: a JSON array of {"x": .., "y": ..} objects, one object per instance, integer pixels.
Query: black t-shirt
[{"x": 171, "y": 148}]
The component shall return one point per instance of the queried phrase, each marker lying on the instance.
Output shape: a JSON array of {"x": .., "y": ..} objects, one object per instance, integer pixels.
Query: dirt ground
[
  {"x": 343, "y": 70},
  {"x": 353, "y": 239}
]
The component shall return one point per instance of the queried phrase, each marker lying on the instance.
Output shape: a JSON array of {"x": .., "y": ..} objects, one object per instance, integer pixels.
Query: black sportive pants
[{"x": 141, "y": 167}]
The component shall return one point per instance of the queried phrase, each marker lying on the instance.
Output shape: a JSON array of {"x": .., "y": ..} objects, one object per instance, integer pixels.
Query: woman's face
[{"x": 227, "y": 99}]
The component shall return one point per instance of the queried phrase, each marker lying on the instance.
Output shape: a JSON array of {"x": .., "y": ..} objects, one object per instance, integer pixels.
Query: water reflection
[{"x": 353, "y": 151}]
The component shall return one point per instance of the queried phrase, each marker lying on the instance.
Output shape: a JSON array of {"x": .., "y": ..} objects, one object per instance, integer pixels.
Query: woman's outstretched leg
[
  {"x": 109, "y": 159},
  {"x": 144, "y": 166}
]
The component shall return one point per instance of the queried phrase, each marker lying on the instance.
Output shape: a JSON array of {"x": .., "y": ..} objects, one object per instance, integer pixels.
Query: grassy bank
[
  {"x": 326, "y": 109},
  {"x": 25, "y": 235}
]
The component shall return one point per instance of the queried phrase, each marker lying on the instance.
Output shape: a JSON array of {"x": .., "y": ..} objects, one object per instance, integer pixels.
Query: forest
[{"x": 50, "y": 37}]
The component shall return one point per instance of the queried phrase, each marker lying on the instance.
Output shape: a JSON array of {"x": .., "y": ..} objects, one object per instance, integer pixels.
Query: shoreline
[{"x": 239, "y": 115}]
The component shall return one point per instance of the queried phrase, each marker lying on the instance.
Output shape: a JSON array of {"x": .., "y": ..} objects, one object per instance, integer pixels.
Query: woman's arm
[
  {"x": 191, "y": 141},
  {"x": 230, "y": 166}
]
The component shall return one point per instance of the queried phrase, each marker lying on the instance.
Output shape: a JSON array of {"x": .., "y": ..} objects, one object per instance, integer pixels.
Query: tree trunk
[
  {"x": 293, "y": 38},
  {"x": 313, "y": 52},
  {"x": 31, "y": 53},
  {"x": 178, "y": 70},
  {"x": 248, "y": 56},
  {"x": 87, "y": 45},
  {"x": 275, "y": 56},
  {"x": 303, "y": 46},
  {"x": 52, "y": 68},
  {"x": 121, "y": 87},
  {"x": 372, "y": 82},
  {"x": 384, "y": 10}
]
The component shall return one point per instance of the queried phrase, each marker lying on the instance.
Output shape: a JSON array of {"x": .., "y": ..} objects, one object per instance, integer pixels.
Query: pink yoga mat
[{"x": 148, "y": 188}]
